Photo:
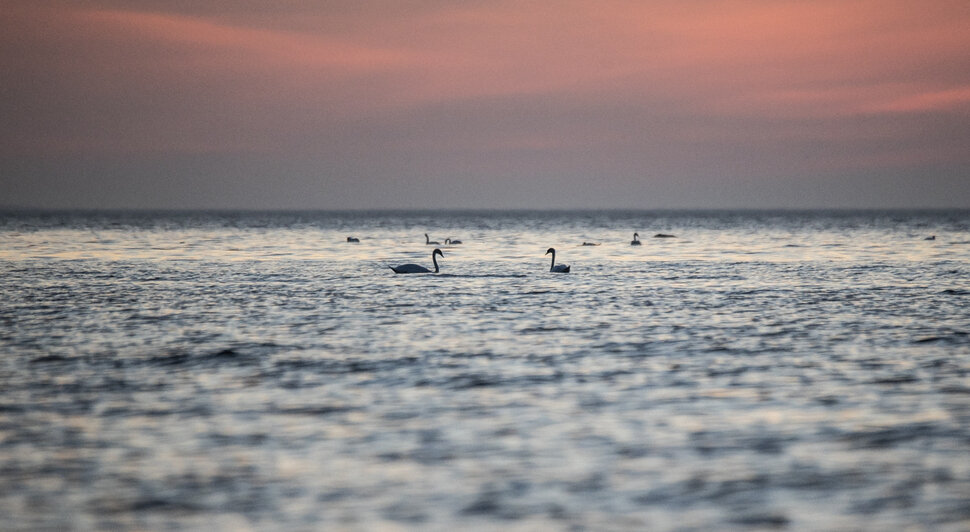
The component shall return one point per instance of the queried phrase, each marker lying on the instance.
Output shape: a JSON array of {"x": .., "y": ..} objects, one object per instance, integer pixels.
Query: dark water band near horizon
[{"x": 255, "y": 370}]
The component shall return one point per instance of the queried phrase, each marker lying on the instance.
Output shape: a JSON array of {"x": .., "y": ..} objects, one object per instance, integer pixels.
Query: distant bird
[
  {"x": 663, "y": 235},
  {"x": 352, "y": 239},
  {"x": 416, "y": 268},
  {"x": 590, "y": 244},
  {"x": 429, "y": 242},
  {"x": 931, "y": 237},
  {"x": 562, "y": 268},
  {"x": 636, "y": 239},
  {"x": 450, "y": 242}
]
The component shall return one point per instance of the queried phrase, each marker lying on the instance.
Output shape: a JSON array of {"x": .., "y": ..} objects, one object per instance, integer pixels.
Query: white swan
[
  {"x": 352, "y": 239},
  {"x": 636, "y": 239},
  {"x": 416, "y": 268},
  {"x": 429, "y": 242},
  {"x": 450, "y": 242},
  {"x": 562, "y": 268}
]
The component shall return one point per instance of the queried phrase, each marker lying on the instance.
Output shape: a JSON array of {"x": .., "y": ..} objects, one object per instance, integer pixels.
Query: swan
[
  {"x": 352, "y": 239},
  {"x": 429, "y": 242},
  {"x": 450, "y": 242},
  {"x": 636, "y": 239},
  {"x": 590, "y": 244},
  {"x": 416, "y": 268},
  {"x": 562, "y": 268},
  {"x": 664, "y": 235}
]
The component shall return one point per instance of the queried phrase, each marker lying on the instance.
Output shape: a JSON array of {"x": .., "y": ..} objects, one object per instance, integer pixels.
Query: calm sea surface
[{"x": 801, "y": 371}]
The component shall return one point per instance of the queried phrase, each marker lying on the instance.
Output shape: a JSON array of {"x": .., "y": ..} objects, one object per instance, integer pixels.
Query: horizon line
[{"x": 227, "y": 210}]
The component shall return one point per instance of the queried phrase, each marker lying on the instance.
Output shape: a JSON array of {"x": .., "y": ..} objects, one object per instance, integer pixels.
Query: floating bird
[
  {"x": 416, "y": 268},
  {"x": 636, "y": 239},
  {"x": 590, "y": 244},
  {"x": 352, "y": 239},
  {"x": 931, "y": 237},
  {"x": 429, "y": 242},
  {"x": 663, "y": 235},
  {"x": 562, "y": 268},
  {"x": 450, "y": 242}
]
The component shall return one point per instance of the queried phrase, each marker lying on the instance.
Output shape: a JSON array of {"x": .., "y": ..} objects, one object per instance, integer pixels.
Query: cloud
[
  {"x": 957, "y": 99},
  {"x": 633, "y": 90}
]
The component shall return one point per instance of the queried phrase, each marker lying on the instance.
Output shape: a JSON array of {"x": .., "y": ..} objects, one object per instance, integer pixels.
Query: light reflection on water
[{"x": 760, "y": 370}]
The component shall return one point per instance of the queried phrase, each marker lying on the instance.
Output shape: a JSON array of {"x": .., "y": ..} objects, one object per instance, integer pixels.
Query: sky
[{"x": 359, "y": 104}]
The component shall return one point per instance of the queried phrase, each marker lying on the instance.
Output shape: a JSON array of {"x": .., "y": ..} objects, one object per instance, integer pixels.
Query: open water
[{"x": 233, "y": 371}]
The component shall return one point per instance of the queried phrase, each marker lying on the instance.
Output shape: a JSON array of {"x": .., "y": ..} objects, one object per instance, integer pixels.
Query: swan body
[
  {"x": 562, "y": 268},
  {"x": 429, "y": 242},
  {"x": 663, "y": 235},
  {"x": 450, "y": 242},
  {"x": 931, "y": 237},
  {"x": 417, "y": 268},
  {"x": 352, "y": 239},
  {"x": 590, "y": 244},
  {"x": 636, "y": 239}
]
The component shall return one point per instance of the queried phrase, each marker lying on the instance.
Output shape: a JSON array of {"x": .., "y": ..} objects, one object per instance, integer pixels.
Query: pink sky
[{"x": 486, "y": 104}]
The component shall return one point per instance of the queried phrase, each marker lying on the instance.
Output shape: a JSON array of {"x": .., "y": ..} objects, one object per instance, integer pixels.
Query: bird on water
[
  {"x": 417, "y": 268},
  {"x": 562, "y": 268},
  {"x": 429, "y": 242},
  {"x": 636, "y": 239}
]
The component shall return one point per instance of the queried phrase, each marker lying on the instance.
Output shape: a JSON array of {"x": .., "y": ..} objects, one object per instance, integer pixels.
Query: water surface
[{"x": 774, "y": 370}]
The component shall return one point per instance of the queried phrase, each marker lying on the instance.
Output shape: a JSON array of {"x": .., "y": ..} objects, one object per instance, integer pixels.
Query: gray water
[{"x": 233, "y": 371}]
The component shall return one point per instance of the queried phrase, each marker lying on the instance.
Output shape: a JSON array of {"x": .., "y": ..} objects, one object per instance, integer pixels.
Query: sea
[{"x": 752, "y": 370}]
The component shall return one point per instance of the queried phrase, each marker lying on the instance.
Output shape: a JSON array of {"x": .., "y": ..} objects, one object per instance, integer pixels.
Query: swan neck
[
  {"x": 434, "y": 259},
  {"x": 553, "y": 263}
]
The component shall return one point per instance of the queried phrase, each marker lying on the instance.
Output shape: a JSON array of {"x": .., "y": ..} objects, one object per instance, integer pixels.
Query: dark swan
[
  {"x": 416, "y": 268},
  {"x": 562, "y": 268},
  {"x": 636, "y": 239},
  {"x": 450, "y": 242},
  {"x": 352, "y": 239},
  {"x": 429, "y": 242}
]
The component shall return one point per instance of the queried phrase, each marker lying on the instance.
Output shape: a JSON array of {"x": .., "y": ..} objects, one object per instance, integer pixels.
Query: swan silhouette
[
  {"x": 450, "y": 242},
  {"x": 636, "y": 239},
  {"x": 562, "y": 268},
  {"x": 417, "y": 268},
  {"x": 352, "y": 239},
  {"x": 429, "y": 242}
]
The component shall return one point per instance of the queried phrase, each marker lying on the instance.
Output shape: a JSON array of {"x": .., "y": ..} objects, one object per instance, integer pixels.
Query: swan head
[
  {"x": 550, "y": 250},
  {"x": 635, "y": 235},
  {"x": 437, "y": 252}
]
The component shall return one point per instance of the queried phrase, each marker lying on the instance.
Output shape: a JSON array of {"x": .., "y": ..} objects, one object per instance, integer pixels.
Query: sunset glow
[{"x": 661, "y": 98}]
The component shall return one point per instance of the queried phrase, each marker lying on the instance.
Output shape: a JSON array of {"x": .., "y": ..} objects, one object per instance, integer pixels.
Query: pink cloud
[
  {"x": 258, "y": 47},
  {"x": 945, "y": 100},
  {"x": 233, "y": 80},
  {"x": 723, "y": 57}
]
